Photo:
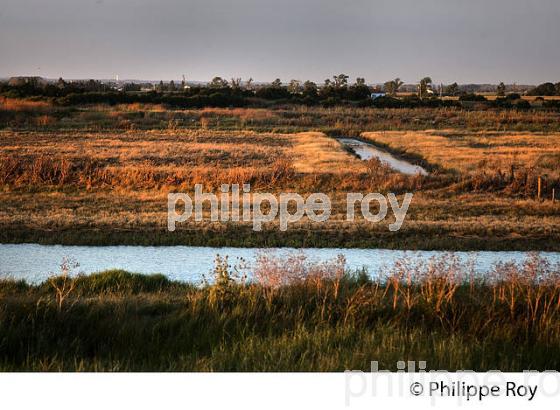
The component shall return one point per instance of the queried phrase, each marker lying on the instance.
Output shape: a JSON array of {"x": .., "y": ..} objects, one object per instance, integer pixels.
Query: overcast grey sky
[{"x": 449, "y": 40}]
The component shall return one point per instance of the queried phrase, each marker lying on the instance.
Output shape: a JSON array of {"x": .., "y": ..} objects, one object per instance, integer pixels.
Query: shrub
[
  {"x": 513, "y": 97},
  {"x": 472, "y": 97},
  {"x": 523, "y": 105},
  {"x": 121, "y": 282}
]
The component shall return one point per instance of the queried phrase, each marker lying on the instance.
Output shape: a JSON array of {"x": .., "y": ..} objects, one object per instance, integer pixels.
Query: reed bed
[
  {"x": 306, "y": 162},
  {"x": 506, "y": 162},
  {"x": 47, "y": 171}
]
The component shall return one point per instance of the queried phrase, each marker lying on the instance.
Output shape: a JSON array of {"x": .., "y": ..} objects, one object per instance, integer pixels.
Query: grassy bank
[
  {"x": 244, "y": 237},
  {"x": 350, "y": 121},
  {"x": 295, "y": 316}
]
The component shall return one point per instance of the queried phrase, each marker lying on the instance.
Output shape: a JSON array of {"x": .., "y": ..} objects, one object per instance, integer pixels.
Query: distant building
[{"x": 21, "y": 81}]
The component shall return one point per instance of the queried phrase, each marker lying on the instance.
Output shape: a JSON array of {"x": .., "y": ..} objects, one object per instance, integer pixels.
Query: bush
[
  {"x": 523, "y": 105},
  {"x": 120, "y": 281},
  {"x": 513, "y": 97},
  {"x": 387, "y": 102},
  {"x": 552, "y": 104},
  {"x": 273, "y": 93},
  {"x": 472, "y": 97},
  {"x": 330, "y": 102},
  {"x": 502, "y": 103},
  {"x": 367, "y": 102}
]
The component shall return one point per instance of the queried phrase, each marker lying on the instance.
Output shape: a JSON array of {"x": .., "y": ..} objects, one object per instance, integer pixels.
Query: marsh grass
[
  {"x": 307, "y": 162},
  {"x": 51, "y": 172},
  {"x": 318, "y": 320},
  {"x": 99, "y": 174},
  {"x": 336, "y": 121},
  {"x": 507, "y": 162}
]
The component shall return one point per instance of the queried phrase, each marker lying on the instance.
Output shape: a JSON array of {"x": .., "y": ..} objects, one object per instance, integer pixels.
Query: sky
[{"x": 467, "y": 41}]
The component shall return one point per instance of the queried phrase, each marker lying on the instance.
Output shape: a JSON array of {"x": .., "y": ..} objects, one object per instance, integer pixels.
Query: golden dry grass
[
  {"x": 311, "y": 152},
  {"x": 155, "y": 159},
  {"x": 470, "y": 152},
  {"x": 314, "y": 152},
  {"x": 17, "y": 104},
  {"x": 243, "y": 113}
]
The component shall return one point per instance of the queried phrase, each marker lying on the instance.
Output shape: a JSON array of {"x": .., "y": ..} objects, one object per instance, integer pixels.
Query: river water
[
  {"x": 35, "y": 263},
  {"x": 368, "y": 151}
]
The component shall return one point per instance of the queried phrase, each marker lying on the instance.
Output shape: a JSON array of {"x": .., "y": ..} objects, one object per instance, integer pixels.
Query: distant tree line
[
  {"x": 218, "y": 92},
  {"x": 237, "y": 93}
]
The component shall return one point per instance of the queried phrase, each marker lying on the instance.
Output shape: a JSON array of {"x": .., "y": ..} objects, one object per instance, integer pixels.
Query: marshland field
[{"x": 99, "y": 174}]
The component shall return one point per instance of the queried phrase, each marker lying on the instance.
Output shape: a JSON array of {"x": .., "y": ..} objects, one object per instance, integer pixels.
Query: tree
[
  {"x": 249, "y": 84},
  {"x": 392, "y": 87},
  {"x": 171, "y": 85},
  {"x": 546, "y": 89},
  {"x": 274, "y": 91},
  {"x": 131, "y": 87},
  {"x": 425, "y": 87},
  {"x": 360, "y": 82},
  {"x": 218, "y": 82},
  {"x": 501, "y": 90},
  {"x": 310, "y": 89},
  {"x": 359, "y": 90},
  {"x": 93, "y": 85},
  {"x": 294, "y": 87},
  {"x": 340, "y": 81},
  {"x": 327, "y": 90},
  {"x": 61, "y": 83},
  {"x": 235, "y": 83},
  {"x": 388, "y": 87},
  {"x": 452, "y": 89}
]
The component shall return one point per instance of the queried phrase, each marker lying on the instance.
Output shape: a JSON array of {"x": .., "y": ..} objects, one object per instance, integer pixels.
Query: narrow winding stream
[{"x": 368, "y": 151}]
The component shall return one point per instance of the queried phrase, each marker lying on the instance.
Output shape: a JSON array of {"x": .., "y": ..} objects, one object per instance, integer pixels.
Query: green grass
[
  {"x": 118, "y": 321},
  {"x": 479, "y": 238}
]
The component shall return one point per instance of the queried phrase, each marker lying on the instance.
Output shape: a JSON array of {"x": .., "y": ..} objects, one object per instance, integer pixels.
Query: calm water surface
[
  {"x": 368, "y": 151},
  {"x": 36, "y": 262}
]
